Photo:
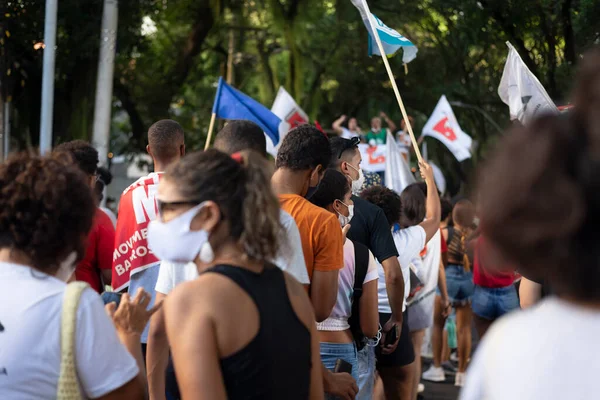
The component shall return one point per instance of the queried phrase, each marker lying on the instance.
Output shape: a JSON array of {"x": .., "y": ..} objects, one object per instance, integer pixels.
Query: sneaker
[
  {"x": 421, "y": 388},
  {"x": 460, "y": 379},
  {"x": 434, "y": 374}
]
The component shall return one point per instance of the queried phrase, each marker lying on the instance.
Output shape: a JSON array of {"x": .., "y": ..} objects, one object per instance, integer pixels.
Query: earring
[{"x": 207, "y": 254}]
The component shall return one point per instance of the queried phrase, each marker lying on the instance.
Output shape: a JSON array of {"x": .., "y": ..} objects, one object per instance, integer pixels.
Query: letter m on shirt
[{"x": 144, "y": 203}]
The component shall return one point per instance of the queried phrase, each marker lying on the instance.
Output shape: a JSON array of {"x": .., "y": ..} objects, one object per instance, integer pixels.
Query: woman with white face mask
[
  {"x": 57, "y": 340},
  {"x": 335, "y": 333},
  {"x": 243, "y": 329}
]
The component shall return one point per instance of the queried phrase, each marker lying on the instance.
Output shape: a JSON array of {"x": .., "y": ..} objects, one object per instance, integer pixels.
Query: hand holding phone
[{"x": 391, "y": 336}]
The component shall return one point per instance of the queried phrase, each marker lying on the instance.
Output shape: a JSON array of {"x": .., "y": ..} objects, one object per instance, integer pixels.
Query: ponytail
[{"x": 260, "y": 208}]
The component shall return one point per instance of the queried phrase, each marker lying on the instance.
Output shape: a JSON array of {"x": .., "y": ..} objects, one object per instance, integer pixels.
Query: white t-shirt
[
  {"x": 290, "y": 259},
  {"x": 348, "y": 134},
  {"x": 403, "y": 140},
  {"x": 427, "y": 270},
  {"x": 30, "y": 313},
  {"x": 548, "y": 352},
  {"x": 338, "y": 319},
  {"x": 409, "y": 243}
]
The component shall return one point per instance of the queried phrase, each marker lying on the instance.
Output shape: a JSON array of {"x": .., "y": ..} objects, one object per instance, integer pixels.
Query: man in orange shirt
[{"x": 301, "y": 161}]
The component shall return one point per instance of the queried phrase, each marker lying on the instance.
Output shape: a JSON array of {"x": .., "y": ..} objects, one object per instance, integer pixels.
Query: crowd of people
[{"x": 237, "y": 277}]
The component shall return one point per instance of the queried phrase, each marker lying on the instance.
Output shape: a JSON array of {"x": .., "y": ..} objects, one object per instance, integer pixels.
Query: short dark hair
[
  {"x": 339, "y": 147},
  {"x": 84, "y": 155},
  {"x": 333, "y": 186},
  {"x": 165, "y": 137},
  {"x": 413, "y": 205},
  {"x": 46, "y": 207},
  {"x": 241, "y": 135},
  {"x": 446, "y": 208},
  {"x": 304, "y": 148},
  {"x": 386, "y": 199}
]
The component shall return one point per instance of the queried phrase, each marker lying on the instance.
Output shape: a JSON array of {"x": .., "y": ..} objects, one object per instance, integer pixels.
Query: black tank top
[{"x": 276, "y": 363}]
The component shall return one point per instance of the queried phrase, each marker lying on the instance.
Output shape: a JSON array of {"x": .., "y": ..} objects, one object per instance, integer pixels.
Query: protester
[
  {"x": 133, "y": 265},
  {"x": 430, "y": 271},
  {"x": 548, "y": 229},
  {"x": 459, "y": 281},
  {"x": 208, "y": 206},
  {"x": 104, "y": 179},
  {"x": 442, "y": 306},
  {"x": 370, "y": 228},
  {"x": 378, "y": 135},
  {"x": 301, "y": 161},
  {"x": 409, "y": 242},
  {"x": 347, "y": 133},
  {"x": 46, "y": 211},
  {"x": 530, "y": 293},
  {"x": 234, "y": 137},
  {"x": 335, "y": 333},
  {"x": 96, "y": 266},
  {"x": 403, "y": 138},
  {"x": 495, "y": 293}
]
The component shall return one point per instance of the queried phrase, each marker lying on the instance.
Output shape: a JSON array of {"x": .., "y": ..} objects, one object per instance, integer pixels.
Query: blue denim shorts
[
  {"x": 492, "y": 303},
  {"x": 331, "y": 352},
  {"x": 366, "y": 371},
  {"x": 460, "y": 284}
]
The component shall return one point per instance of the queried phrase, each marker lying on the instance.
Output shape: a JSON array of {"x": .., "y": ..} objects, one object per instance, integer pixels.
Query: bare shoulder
[
  {"x": 299, "y": 300},
  {"x": 201, "y": 294}
]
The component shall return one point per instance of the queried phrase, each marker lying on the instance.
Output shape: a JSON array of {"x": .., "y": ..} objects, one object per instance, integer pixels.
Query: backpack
[{"x": 361, "y": 265}]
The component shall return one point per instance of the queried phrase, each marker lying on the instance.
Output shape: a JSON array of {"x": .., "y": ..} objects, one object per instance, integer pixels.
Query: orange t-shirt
[{"x": 320, "y": 232}]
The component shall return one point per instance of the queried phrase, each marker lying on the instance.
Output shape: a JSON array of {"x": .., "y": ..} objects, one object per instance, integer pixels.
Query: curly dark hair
[
  {"x": 386, "y": 199},
  {"x": 446, "y": 208},
  {"x": 46, "y": 208},
  {"x": 304, "y": 148},
  {"x": 83, "y": 153}
]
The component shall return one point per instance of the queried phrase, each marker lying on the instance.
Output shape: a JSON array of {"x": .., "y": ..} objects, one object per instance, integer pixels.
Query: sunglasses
[{"x": 350, "y": 144}]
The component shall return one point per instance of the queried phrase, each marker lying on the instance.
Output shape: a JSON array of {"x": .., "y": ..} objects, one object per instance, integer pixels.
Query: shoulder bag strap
[{"x": 68, "y": 384}]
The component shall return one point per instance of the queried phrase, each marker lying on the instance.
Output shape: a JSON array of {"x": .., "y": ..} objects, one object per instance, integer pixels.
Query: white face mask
[
  {"x": 343, "y": 219},
  {"x": 174, "y": 241},
  {"x": 358, "y": 183},
  {"x": 67, "y": 267}
]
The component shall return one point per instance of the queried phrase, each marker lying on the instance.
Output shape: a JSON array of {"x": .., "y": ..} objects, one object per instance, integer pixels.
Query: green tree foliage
[{"x": 317, "y": 49}]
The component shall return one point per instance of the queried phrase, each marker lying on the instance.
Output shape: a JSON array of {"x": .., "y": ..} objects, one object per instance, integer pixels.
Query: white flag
[
  {"x": 291, "y": 115},
  {"x": 443, "y": 126},
  {"x": 521, "y": 90},
  {"x": 397, "y": 171},
  {"x": 438, "y": 177}
]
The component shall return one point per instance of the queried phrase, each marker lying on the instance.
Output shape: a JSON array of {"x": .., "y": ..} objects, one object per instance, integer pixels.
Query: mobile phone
[
  {"x": 391, "y": 336},
  {"x": 342, "y": 366}
]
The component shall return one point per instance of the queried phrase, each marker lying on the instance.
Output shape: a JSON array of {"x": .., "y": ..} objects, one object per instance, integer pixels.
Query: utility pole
[
  {"x": 48, "y": 77},
  {"x": 104, "y": 83}
]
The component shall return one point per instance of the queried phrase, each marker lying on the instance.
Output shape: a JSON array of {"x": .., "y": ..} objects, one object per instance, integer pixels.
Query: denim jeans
[
  {"x": 492, "y": 303},
  {"x": 366, "y": 371},
  {"x": 331, "y": 352},
  {"x": 460, "y": 284}
]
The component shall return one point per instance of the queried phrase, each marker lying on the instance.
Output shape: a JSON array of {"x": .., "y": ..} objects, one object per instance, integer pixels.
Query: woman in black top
[{"x": 244, "y": 329}]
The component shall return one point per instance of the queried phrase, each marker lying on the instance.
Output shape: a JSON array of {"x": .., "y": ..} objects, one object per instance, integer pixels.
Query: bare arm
[
  {"x": 323, "y": 293},
  {"x": 391, "y": 125},
  {"x": 369, "y": 316},
  {"x": 433, "y": 207},
  {"x": 529, "y": 292},
  {"x": 196, "y": 361},
  {"x": 157, "y": 356},
  {"x": 394, "y": 283},
  {"x": 316, "y": 377},
  {"x": 337, "y": 124}
]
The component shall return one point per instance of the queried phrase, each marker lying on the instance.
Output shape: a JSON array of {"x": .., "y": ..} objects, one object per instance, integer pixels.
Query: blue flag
[
  {"x": 390, "y": 39},
  {"x": 230, "y": 103}
]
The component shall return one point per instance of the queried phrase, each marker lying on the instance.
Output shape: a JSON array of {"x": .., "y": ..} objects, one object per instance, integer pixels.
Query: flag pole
[
  {"x": 210, "y": 130},
  {"x": 392, "y": 80}
]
